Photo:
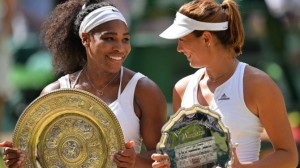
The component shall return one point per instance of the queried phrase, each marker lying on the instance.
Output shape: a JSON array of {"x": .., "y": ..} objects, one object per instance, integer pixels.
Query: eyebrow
[{"x": 113, "y": 33}]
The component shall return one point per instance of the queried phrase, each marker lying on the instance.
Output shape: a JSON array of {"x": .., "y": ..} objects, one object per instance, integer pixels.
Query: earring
[
  {"x": 207, "y": 44},
  {"x": 85, "y": 44}
]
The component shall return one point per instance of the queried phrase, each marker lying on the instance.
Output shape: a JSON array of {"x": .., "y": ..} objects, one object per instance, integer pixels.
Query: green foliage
[{"x": 294, "y": 118}]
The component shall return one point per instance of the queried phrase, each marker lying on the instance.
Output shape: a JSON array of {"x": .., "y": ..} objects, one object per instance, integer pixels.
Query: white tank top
[
  {"x": 122, "y": 107},
  {"x": 229, "y": 102}
]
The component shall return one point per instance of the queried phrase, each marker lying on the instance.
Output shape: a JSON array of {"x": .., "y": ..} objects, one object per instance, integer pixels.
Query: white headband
[
  {"x": 99, "y": 16},
  {"x": 184, "y": 25}
]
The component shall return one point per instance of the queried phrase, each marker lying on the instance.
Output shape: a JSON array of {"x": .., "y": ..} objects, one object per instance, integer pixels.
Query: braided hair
[{"x": 60, "y": 34}]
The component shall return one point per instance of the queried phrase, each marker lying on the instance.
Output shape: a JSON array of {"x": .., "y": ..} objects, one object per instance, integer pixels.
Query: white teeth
[{"x": 115, "y": 58}]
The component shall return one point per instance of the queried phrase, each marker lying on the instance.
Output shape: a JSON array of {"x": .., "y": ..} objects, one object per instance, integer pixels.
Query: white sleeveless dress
[
  {"x": 229, "y": 102},
  {"x": 122, "y": 107}
]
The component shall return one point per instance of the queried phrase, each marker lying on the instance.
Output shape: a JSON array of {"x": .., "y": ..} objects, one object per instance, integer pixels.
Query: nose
[
  {"x": 179, "y": 47},
  {"x": 118, "y": 46}
]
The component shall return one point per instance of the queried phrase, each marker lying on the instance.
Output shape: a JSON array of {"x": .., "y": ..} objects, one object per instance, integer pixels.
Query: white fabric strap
[
  {"x": 100, "y": 16},
  {"x": 192, "y": 24}
]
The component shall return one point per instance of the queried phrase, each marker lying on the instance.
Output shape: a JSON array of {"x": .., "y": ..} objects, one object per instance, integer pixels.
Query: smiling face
[
  {"x": 194, "y": 48},
  {"x": 108, "y": 45}
]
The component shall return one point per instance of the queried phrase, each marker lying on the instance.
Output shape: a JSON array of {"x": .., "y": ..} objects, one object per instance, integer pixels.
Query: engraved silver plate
[
  {"x": 68, "y": 128},
  {"x": 196, "y": 137}
]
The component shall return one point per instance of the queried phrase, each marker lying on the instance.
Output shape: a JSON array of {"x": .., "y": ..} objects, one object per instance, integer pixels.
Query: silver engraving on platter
[
  {"x": 71, "y": 150},
  {"x": 196, "y": 153}
]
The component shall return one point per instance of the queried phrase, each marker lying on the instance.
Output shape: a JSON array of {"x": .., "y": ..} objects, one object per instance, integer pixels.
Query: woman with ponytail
[
  {"x": 89, "y": 42},
  {"x": 211, "y": 36}
]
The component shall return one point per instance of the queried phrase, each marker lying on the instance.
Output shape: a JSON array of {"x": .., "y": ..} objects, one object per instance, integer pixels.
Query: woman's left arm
[
  {"x": 265, "y": 99},
  {"x": 152, "y": 105}
]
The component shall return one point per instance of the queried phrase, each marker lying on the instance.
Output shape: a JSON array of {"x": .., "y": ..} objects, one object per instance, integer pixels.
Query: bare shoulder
[
  {"x": 182, "y": 84},
  {"x": 56, "y": 85},
  {"x": 260, "y": 91},
  {"x": 50, "y": 87},
  {"x": 255, "y": 78},
  {"x": 146, "y": 85},
  {"x": 151, "y": 108},
  {"x": 148, "y": 93},
  {"x": 151, "y": 104}
]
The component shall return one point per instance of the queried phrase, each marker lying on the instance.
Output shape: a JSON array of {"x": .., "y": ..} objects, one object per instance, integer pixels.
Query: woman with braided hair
[
  {"x": 89, "y": 41},
  {"x": 211, "y": 36}
]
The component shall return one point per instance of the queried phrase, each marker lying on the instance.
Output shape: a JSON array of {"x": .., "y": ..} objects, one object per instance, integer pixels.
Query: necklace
[
  {"x": 99, "y": 91},
  {"x": 219, "y": 77},
  {"x": 227, "y": 73}
]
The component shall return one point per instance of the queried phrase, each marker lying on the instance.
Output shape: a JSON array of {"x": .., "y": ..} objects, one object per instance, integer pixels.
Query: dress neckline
[{"x": 120, "y": 84}]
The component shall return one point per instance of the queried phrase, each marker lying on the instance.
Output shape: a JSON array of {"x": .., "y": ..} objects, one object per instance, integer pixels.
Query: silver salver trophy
[{"x": 196, "y": 137}]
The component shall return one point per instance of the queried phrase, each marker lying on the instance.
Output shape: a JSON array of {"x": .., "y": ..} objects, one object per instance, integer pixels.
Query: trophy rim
[
  {"x": 191, "y": 110},
  {"x": 99, "y": 107}
]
